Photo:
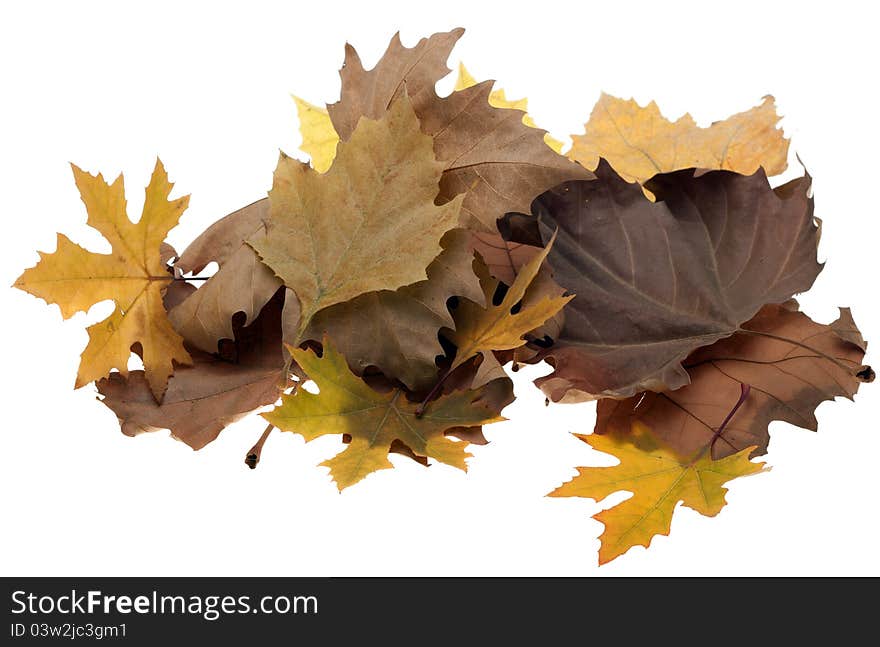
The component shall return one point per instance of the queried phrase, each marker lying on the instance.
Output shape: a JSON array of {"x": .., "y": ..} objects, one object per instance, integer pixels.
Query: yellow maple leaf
[
  {"x": 640, "y": 142},
  {"x": 481, "y": 329},
  {"x": 319, "y": 138},
  {"x": 658, "y": 480},
  {"x": 133, "y": 276},
  {"x": 374, "y": 420},
  {"x": 498, "y": 99}
]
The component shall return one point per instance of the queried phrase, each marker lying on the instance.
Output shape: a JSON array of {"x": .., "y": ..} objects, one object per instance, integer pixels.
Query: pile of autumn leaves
[{"x": 431, "y": 241}]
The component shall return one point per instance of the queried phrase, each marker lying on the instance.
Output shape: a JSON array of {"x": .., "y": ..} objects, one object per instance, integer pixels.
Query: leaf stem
[
  {"x": 433, "y": 392},
  {"x": 253, "y": 455},
  {"x": 744, "y": 394}
]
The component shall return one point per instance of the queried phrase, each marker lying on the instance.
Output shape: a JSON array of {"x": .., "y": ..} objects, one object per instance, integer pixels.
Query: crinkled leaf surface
[
  {"x": 133, "y": 276},
  {"x": 374, "y": 420}
]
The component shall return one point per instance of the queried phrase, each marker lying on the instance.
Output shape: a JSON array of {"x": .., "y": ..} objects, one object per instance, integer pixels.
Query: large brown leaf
[
  {"x": 657, "y": 280},
  {"x": 396, "y": 330},
  {"x": 242, "y": 284},
  {"x": 790, "y": 365},
  {"x": 500, "y": 163},
  {"x": 203, "y": 399}
]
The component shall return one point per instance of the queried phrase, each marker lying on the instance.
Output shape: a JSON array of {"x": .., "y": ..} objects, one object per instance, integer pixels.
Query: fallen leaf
[
  {"x": 242, "y": 284},
  {"x": 489, "y": 154},
  {"x": 640, "y": 143},
  {"x": 205, "y": 398},
  {"x": 368, "y": 224},
  {"x": 658, "y": 479},
  {"x": 498, "y": 99},
  {"x": 319, "y": 139},
  {"x": 657, "y": 280},
  {"x": 396, "y": 330},
  {"x": 482, "y": 329},
  {"x": 790, "y": 365},
  {"x": 134, "y": 276},
  {"x": 374, "y": 420}
]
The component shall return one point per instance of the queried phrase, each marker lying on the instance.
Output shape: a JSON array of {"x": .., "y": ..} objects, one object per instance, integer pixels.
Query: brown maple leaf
[
  {"x": 657, "y": 280},
  {"x": 489, "y": 154}
]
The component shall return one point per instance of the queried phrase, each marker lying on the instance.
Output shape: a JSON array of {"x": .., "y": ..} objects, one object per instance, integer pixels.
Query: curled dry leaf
[
  {"x": 133, "y": 276},
  {"x": 640, "y": 142},
  {"x": 203, "y": 399},
  {"x": 396, "y": 330},
  {"x": 368, "y": 224},
  {"x": 656, "y": 280},
  {"x": 658, "y": 479},
  {"x": 790, "y": 365},
  {"x": 374, "y": 420},
  {"x": 242, "y": 284}
]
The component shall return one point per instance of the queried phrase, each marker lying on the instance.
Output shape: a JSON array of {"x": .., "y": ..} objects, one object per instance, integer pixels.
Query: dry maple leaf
[
  {"x": 658, "y": 479},
  {"x": 489, "y": 154},
  {"x": 657, "y": 280},
  {"x": 374, "y": 420},
  {"x": 396, "y": 330},
  {"x": 368, "y": 224},
  {"x": 498, "y": 99},
  {"x": 482, "y": 329},
  {"x": 639, "y": 142},
  {"x": 133, "y": 276},
  {"x": 242, "y": 284},
  {"x": 788, "y": 363},
  {"x": 205, "y": 398}
]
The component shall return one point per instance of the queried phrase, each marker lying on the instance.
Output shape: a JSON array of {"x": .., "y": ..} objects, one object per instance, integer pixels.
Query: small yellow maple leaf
[
  {"x": 374, "y": 420},
  {"x": 640, "y": 142},
  {"x": 498, "y": 99},
  {"x": 133, "y": 276},
  {"x": 658, "y": 480},
  {"x": 481, "y": 329},
  {"x": 319, "y": 138}
]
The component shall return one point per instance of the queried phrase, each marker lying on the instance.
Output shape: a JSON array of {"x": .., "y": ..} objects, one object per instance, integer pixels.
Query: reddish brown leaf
[{"x": 786, "y": 364}]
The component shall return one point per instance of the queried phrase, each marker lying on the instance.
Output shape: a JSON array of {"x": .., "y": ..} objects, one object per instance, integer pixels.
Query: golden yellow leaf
[
  {"x": 319, "y": 139},
  {"x": 658, "y": 480},
  {"x": 498, "y": 99},
  {"x": 133, "y": 276},
  {"x": 481, "y": 329},
  {"x": 640, "y": 142},
  {"x": 374, "y": 421},
  {"x": 368, "y": 224}
]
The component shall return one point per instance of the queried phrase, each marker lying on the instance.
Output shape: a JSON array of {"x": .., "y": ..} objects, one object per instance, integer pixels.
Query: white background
[{"x": 206, "y": 86}]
